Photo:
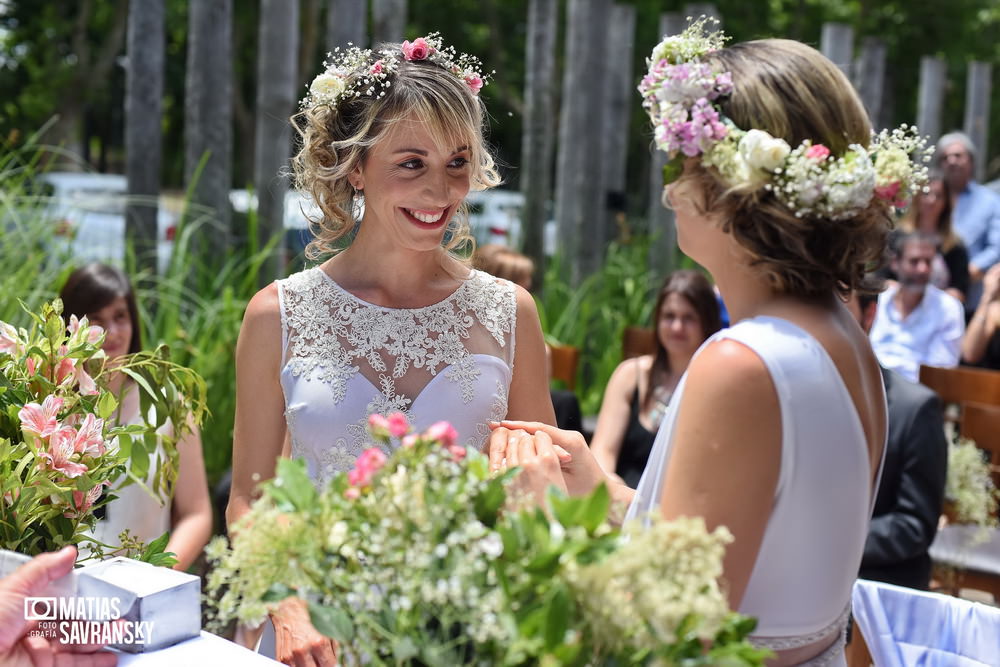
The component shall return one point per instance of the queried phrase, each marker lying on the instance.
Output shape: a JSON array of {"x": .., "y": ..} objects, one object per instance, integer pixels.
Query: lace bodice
[{"x": 344, "y": 359}]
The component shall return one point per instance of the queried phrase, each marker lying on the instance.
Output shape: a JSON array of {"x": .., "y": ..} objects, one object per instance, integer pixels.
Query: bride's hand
[
  {"x": 296, "y": 641},
  {"x": 534, "y": 454},
  {"x": 580, "y": 471}
]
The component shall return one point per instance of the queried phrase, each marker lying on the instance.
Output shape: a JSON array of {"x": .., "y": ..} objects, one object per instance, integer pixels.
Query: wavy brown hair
[
  {"x": 333, "y": 141},
  {"x": 793, "y": 92}
]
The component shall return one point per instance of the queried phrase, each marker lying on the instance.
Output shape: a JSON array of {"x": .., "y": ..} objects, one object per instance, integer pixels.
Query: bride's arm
[
  {"x": 726, "y": 453},
  {"x": 529, "y": 398}
]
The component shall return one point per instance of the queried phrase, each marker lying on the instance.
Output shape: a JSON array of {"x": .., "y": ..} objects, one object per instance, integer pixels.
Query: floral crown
[
  {"x": 356, "y": 72},
  {"x": 682, "y": 93}
]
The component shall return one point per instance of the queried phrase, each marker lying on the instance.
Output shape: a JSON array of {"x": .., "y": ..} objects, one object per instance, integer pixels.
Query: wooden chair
[
  {"x": 637, "y": 341},
  {"x": 962, "y": 559},
  {"x": 564, "y": 360},
  {"x": 963, "y": 384}
]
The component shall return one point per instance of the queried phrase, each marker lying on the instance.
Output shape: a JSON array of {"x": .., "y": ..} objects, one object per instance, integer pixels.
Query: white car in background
[
  {"x": 295, "y": 223},
  {"x": 87, "y": 210},
  {"x": 495, "y": 217}
]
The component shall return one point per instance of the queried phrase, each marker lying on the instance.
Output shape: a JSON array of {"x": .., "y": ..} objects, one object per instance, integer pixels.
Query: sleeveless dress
[
  {"x": 800, "y": 586},
  {"x": 345, "y": 359},
  {"x": 637, "y": 443}
]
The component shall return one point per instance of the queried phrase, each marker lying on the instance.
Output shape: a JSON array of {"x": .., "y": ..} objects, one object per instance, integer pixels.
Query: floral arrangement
[
  {"x": 356, "y": 72},
  {"x": 969, "y": 488},
  {"x": 422, "y": 556},
  {"x": 59, "y": 448},
  {"x": 681, "y": 93}
]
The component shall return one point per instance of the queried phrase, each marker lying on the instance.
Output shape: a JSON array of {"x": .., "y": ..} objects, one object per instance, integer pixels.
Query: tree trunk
[
  {"x": 837, "y": 44},
  {"x": 930, "y": 98},
  {"x": 580, "y": 203},
  {"x": 539, "y": 128},
  {"x": 619, "y": 93},
  {"x": 662, "y": 228},
  {"x": 389, "y": 19},
  {"x": 309, "y": 38},
  {"x": 977, "y": 112},
  {"x": 208, "y": 119},
  {"x": 870, "y": 78},
  {"x": 276, "y": 87},
  {"x": 143, "y": 102},
  {"x": 346, "y": 23}
]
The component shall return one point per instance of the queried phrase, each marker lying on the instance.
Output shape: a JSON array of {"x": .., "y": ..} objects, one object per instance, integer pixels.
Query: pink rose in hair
[
  {"x": 443, "y": 432},
  {"x": 369, "y": 463},
  {"x": 817, "y": 152},
  {"x": 474, "y": 83},
  {"x": 418, "y": 49},
  {"x": 376, "y": 67},
  {"x": 888, "y": 192},
  {"x": 397, "y": 424}
]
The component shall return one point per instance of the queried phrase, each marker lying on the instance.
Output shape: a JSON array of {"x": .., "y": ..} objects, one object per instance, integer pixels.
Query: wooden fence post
[
  {"x": 346, "y": 22},
  {"x": 977, "y": 112},
  {"x": 930, "y": 97},
  {"x": 870, "y": 78},
  {"x": 620, "y": 92},
  {"x": 837, "y": 44}
]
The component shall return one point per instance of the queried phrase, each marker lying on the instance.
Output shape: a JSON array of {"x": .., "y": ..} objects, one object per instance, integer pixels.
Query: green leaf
[
  {"x": 106, "y": 405},
  {"x": 333, "y": 623},
  {"x": 156, "y": 546},
  {"x": 672, "y": 170},
  {"x": 278, "y": 592},
  {"x": 139, "y": 462},
  {"x": 125, "y": 446},
  {"x": 568, "y": 511},
  {"x": 403, "y": 649},
  {"x": 595, "y": 508},
  {"x": 141, "y": 381},
  {"x": 291, "y": 487},
  {"x": 487, "y": 504},
  {"x": 557, "y": 617}
]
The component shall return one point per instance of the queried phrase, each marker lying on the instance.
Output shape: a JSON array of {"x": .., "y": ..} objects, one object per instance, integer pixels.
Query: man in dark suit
[{"x": 911, "y": 489}]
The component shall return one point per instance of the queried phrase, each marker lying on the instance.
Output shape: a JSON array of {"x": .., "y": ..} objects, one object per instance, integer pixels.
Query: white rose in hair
[
  {"x": 327, "y": 86},
  {"x": 762, "y": 151}
]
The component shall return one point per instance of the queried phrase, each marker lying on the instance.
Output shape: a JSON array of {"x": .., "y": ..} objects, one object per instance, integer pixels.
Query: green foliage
[{"x": 593, "y": 316}]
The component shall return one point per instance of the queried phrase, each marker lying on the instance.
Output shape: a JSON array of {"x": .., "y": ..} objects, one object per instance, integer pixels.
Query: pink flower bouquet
[{"x": 59, "y": 447}]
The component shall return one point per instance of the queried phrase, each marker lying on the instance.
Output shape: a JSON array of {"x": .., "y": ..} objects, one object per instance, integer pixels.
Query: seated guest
[
  {"x": 507, "y": 263},
  {"x": 916, "y": 322},
  {"x": 981, "y": 345},
  {"x": 639, "y": 390},
  {"x": 930, "y": 213},
  {"x": 911, "y": 489},
  {"x": 976, "y": 208}
]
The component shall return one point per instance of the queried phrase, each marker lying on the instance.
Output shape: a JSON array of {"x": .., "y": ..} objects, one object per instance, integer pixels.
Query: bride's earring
[{"x": 358, "y": 204}]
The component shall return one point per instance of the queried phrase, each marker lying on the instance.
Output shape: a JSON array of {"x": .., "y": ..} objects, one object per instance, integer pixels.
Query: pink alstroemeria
[
  {"x": 90, "y": 439},
  {"x": 61, "y": 448},
  {"x": 369, "y": 463},
  {"x": 41, "y": 419},
  {"x": 474, "y": 83},
  {"x": 418, "y": 49},
  {"x": 378, "y": 425},
  {"x": 83, "y": 502},
  {"x": 398, "y": 425},
  {"x": 9, "y": 342},
  {"x": 29, "y": 365},
  {"x": 817, "y": 152},
  {"x": 443, "y": 432}
]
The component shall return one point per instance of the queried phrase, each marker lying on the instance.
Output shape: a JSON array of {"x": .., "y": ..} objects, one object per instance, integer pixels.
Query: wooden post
[
  {"x": 145, "y": 45},
  {"x": 276, "y": 89},
  {"x": 837, "y": 44},
  {"x": 579, "y": 191},
  {"x": 208, "y": 118},
  {"x": 388, "y": 20},
  {"x": 693, "y": 10},
  {"x": 663, "y": 248},
  {"x": 870, "y": 77},
  {"x": 346, "y": 23},
  {"x": 538, "y": 137},
  {"x": 977, "y": 112},
  {"x": 620, "y": 92},
  {"x": 931, "y": 97}
]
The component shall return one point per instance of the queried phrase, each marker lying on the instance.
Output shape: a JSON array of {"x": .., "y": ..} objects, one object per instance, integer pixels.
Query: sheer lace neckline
[{"x": 350, "y": 295}]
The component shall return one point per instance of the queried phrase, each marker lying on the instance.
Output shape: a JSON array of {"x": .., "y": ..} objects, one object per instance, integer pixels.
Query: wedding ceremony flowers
[
  {"x": 682, "y": 94},
  {"x": 355, "y": 72},
  {"x": 420, "y": 555},
  {"x": 61, "y": 453},
  {"x": 969, "y": 486}
]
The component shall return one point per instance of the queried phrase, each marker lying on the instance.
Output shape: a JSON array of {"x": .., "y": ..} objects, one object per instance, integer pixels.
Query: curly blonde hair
[
  {"x": 334, "y": 141},
  {"x": 793, "y": 92}
]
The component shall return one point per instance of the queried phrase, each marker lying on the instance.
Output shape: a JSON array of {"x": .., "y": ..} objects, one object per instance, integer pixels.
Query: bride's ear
[{"x": 356, "y": 179}]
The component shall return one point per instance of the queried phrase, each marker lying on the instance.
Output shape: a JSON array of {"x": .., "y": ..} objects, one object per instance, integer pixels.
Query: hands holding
[
  {"x": 297, "y": 642},
  {"x": 547, "y": 456},
  {"x": 17, "y": 648}
]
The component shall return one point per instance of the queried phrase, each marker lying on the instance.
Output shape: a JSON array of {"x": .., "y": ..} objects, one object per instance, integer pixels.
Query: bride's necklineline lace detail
[{"x": 331, "y": 336}]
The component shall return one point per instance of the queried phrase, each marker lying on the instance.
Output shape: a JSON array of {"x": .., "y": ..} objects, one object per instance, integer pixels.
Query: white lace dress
[{"x": 345, "y": 359}]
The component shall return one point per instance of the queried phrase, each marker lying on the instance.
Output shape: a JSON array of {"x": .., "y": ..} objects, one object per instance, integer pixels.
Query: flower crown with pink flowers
[
  {"x": 356, "y": 72},
  {"x": 681, "y": 93}
]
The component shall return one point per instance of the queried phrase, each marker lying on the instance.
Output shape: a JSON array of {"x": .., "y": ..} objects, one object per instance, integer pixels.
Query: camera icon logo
[{"x": 40, "y": 609}]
